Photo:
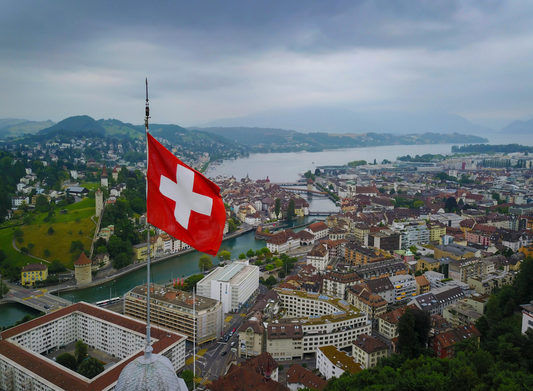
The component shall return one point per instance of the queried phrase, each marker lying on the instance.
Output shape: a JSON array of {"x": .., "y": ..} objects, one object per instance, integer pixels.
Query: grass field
[
  {"x": 90, "y": 185},
  {"x": 67, "y": 227},
  {"x": 6, "y": 244}
]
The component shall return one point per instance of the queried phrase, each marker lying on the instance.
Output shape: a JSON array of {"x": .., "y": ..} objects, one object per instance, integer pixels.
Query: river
[
  {"x": 183, "y": 265},
  {"x": 279, "y": 167}
]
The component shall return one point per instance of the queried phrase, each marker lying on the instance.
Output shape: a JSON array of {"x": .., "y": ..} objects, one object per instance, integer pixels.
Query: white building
[
  {"x": 318, "y": 257},
  {"x": 232, "y": 285},
  {"x": 319, "y": 229},
  {"x": 527, "y": 317},
  {"x": 332, "y": 362},
  {"x": 19, "y": 200},
  {"x": 23, "y": 349},
  {"x": 325, "y": 320},
  {"x": 283, "y": 241}
]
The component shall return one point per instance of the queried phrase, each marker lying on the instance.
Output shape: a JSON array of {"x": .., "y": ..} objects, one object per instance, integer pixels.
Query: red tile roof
[
  {"x": 82, "y": 260},
  {"x": 56, "y": 374}
]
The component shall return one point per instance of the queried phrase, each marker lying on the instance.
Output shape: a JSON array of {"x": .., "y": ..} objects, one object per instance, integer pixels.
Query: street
[{"x": 35, "y": 298}]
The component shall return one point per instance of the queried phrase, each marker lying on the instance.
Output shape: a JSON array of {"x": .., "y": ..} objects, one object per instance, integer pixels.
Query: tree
[
  {"x": 67, "y": 360},
  {"x": 250, "y": 253},
  {"x": 290, "y": 210},
  {"x": 451, "y": 204},
  {"x": 232, "y": 227},
  {"x": 46, "y": 253},
  {"x": 281, "y": 274},
  {"x": 91, "y": 368},
  {"x": 205, "y": 263},
  {"x": 278, "y": 262},
  {"x": 407, "y": 338},
  {"x": 51, "y": 230},
  {"x": 242, "y": 256},
  {"x": 81, "y": 351},
  {"x": 121, "y": 260},
  {"x": 271, "y": 281},
  {"x": 188, "y": 377},
  {"x": 277, "y": 207},
  {"x": 191, "y": 282},
  {"x": 225, "y": 254},
  {"x": 75, "y": 245}
]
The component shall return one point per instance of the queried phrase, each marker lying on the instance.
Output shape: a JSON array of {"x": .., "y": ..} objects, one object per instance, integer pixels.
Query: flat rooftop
[{"x": 175, "y": 297}]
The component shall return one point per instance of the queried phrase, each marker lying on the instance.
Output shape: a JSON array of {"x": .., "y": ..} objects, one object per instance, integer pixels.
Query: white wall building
[
  {"x": 318, "y": 257},
  {"x": 23, "y": 349},
  {"x": 232, "y": 285},
  {"x": 332, "y": 362}
]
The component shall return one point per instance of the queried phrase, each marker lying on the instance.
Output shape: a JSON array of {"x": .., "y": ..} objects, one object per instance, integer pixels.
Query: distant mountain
[
  {"x": 330, "y": 120},
  {"x": 262, "y": 140},
  {"x": 79, "y": 125},
  {"x": 14, "y": 127},
  {"x": 519, "y": 127},
  {"x": 250, "y": 136}
]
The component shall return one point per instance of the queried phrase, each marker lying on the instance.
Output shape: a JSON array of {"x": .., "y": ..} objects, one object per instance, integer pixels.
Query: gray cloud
[{"x": 213, "y": 59}]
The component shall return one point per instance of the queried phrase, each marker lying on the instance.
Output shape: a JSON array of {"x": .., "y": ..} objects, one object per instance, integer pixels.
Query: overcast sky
[{"x": 216, "y": 59}]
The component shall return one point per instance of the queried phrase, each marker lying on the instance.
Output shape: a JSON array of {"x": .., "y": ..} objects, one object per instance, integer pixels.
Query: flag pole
[{"x": 148, "y": 349}]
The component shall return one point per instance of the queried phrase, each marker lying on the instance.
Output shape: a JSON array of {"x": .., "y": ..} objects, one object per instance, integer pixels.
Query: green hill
[
  {"x": 81, "y": 125},
  {"x": 11, "y": 127}
]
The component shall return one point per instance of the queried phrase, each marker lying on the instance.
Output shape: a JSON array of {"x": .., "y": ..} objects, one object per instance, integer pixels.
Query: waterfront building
[
  {"x": 173, "y": 309},
  {"x": 33, "y": 272},
  {"x": 283, "y": 241},
  {"x": 332, "y": 362},
  {"x": 82, "y": 270},
  {"x": 26, "y": 363},
  {"x": 368, "y": 350},
  {"x": 232, "y": 285}
]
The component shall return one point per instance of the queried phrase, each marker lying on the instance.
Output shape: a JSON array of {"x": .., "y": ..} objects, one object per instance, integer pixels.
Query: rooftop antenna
[{"x": 148, "y": 349}]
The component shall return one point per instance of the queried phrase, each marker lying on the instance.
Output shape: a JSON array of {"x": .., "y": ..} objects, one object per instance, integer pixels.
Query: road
[
  {"x": 35, "y": 298},
  {"x": 210, "y": 363}
]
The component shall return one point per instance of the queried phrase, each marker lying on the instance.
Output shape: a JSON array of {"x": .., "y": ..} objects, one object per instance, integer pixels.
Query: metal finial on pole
[{"x": 148, "y": 349}]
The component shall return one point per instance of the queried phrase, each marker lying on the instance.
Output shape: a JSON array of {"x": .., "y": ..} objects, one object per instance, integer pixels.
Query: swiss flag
[{"x": 182, "y": 202}]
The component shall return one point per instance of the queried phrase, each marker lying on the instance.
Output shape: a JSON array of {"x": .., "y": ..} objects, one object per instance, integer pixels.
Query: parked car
[
  {"x": 232, "y": 344},
  {"x": 223, "y": 353}
]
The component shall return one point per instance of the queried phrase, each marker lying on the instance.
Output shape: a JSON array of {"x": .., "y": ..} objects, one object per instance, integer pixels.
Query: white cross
[{"x": 186, "y": 200}]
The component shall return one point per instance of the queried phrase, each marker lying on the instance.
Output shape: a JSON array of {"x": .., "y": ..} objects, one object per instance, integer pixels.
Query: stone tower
[
  {"x": 82, "y": 270},
  {"x": 99, "y": 196},
  {"x": 104, "y": 179},
  {"x": 310, "y": 184},
  {"x": 115, "y": 173}
]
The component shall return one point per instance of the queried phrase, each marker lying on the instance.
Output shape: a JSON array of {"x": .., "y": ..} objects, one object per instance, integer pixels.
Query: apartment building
[
  {"x": 318, "y": 257},
  {"x": 335, "y": 283},
  {"x": 388, "y": 323},
  {"x": 368, "y": 350},
  {"x": 437, "y": 299},
  {"x": 332, "y": 362},
  {"x": 232, "y": 285},
  {"x": 324, "y": 320},
  {"x": 177, "y": 311},
  {"x": 404, "y": 287},
  {"x": 486, "y": 283},
  {"x": 355, "y": 254},
  {"x": 24, "y": 364}
]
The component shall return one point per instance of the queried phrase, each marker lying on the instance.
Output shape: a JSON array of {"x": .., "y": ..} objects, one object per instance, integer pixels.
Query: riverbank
[{"x": 140, "y": 265}]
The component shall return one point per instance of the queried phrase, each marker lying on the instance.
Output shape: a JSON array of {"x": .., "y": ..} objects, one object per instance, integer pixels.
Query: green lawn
[
  {"x": 90, "y": 185},
  {"x": 66, "y": 226},
  {"x": 6, "y": 244}
]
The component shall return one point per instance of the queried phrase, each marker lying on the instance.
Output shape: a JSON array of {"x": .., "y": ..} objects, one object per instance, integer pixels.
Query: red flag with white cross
[{"x": 182, "y": 202}]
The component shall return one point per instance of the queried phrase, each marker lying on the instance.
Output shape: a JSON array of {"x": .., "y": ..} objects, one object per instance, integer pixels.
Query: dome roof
[{"x": 154, "y": 373}]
